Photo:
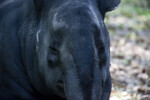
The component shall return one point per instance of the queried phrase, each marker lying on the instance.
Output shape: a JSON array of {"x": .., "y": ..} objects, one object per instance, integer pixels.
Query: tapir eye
[
  {"x": 102, "y": 55},
  {"x": 53, "y": 49},
  {"x": 101, "y": 49},
  {"x": 53, "y": 55}
]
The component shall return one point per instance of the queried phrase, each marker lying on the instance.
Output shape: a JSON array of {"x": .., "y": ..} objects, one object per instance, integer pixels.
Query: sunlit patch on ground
[{"x": 117, "y": 95}]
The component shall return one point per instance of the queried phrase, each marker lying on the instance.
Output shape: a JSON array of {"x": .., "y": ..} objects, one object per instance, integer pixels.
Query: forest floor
[{"x": 130, "y": 52}]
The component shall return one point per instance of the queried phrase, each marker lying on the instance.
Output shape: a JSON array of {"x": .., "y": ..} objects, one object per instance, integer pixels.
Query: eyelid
[{"x": 53, "y": 48}]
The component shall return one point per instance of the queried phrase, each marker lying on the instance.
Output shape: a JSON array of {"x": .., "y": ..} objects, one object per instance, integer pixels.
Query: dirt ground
[
  {"x": 130, "y": 57},
  {"x": 130, "y": 68}
]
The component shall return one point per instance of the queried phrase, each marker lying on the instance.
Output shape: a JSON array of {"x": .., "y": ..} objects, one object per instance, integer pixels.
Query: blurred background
[{"x": 129, "y": 28}]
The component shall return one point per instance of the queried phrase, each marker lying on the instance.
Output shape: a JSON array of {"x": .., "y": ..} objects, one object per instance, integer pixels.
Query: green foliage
[
  {"x": 131, "y": 8},
  {"x": 136, "y": 12}
]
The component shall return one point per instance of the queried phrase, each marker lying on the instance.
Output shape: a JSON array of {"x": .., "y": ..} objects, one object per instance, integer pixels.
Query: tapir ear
[
  {"x": 108, "y": 5},
  {"x": 112, "y": 4}
]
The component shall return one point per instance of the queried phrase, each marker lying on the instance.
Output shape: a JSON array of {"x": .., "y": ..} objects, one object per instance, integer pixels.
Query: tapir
[{"x": 54, "y": 49}]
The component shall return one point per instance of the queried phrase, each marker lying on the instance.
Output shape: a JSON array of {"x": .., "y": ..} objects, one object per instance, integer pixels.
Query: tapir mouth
[{"x": 60, "y": 86}]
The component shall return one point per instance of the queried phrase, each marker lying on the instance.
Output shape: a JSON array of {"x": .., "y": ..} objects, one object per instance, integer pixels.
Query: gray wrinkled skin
[{"x": 54, "y": 49}]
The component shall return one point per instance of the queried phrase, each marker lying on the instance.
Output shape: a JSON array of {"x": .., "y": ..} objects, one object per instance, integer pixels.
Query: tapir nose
[
  {"x": 83, "y": 56},
  {"x": 83, "y": 79},
  {"x": 82, "y": 75}
]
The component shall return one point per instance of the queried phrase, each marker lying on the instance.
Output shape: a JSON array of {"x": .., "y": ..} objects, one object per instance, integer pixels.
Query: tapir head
[{"x": 72, "y": 49}]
